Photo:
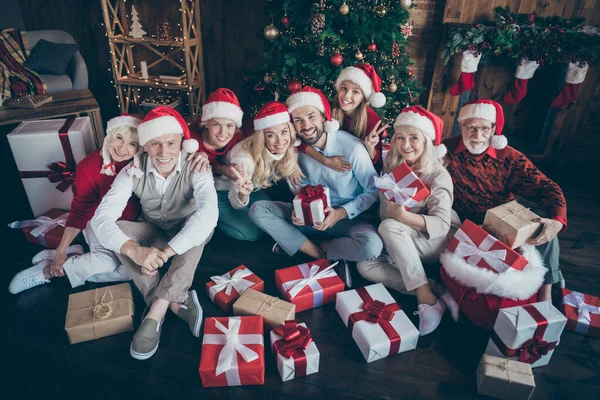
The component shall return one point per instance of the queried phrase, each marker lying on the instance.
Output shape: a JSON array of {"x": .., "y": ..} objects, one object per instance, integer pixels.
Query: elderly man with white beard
[{"x": 487, "y": 173}]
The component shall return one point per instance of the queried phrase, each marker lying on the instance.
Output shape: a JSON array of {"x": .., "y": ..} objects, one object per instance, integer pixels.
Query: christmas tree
[
  {"x": 310, "y": 44},
  {"x": 136, "y": 28}
]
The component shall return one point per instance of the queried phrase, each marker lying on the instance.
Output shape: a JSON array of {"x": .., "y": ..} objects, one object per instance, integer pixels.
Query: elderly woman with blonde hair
[{"x": 418, "y": 234}]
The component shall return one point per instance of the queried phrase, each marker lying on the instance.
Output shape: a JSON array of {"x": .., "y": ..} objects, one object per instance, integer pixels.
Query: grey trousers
[
  {"x": 551, "y": 255},
  {"x": 176, "y": 282},
  {"x": 353, "y": 240}
]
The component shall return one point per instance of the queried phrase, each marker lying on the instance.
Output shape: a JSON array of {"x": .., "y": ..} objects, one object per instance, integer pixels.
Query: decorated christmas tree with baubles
[{"x": 310, "y": 43}]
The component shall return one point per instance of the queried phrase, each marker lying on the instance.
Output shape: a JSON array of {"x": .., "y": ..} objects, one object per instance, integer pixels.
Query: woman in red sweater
[{"x": 358, "y": 88}]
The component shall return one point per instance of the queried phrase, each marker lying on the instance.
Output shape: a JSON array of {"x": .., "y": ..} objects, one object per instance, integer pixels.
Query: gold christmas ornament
[
  {"x": 392, "y": 87},
  {"x": 344, "y": 9},
  {"x": 359, "y": 55},
  {"x": 381, "y": 11},
  {"x": 271, "y": 32},
  {"x": 268, "y": 78}
]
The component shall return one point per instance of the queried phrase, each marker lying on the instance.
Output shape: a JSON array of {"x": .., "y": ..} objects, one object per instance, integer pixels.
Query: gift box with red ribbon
[
  {"x": 402, "y": 186},
  {"x": 46, "y": 230},
  {"x": 309, "y": 285},
  {"x": 310, "y": 203},
  {"x": 232, "y": 352},
  {"x": 377, "y": 323},
  {"x": 224, "y": 290},
  {"x": 46, "y": 153},
  {"x": 385, "y": 150},
  {"x": 582, "y": 312},
  {"x": 297, "y": 355},
  {"x": 479, "y": 248},
  {"x": 528, "y": 333}
]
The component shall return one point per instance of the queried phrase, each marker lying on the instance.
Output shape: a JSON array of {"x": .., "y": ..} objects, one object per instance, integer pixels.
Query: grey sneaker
[
  {"x": 191, "y": 312},
  {"x": 146, "y": 339},
  {"x": 28, "y": 278}
]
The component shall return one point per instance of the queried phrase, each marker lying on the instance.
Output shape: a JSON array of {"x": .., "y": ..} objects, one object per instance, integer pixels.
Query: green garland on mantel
[{"x": 525, "y": 36}]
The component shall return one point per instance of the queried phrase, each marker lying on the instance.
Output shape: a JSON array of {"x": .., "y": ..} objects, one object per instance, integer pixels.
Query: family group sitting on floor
[{"x": 183, "y": 183}]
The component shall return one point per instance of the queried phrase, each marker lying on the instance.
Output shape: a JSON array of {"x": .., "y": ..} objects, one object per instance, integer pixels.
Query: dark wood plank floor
[{"x": 39, "y": 362}]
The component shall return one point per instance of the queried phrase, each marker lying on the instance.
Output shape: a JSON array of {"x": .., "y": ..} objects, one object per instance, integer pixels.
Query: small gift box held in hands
[
  {"x": 377, "y": 324},
  {"x": 479, "y": 248},
  {"x": 309, "y": 285},
  {"x": 402, "y": 186},
  {"x": 232, "y": 352},
  {"x": 224, "y": 290},
  {"x": 504, "y": 379},
  {"x": 46, "y": 230},
  {"x": 512, "y": 224},
  {"x": 582, "y": 312},
  {"x": 310, "y": 203},
  {"x": 296, "y": 353},
  {"x": 527, "y": 333},
  {"x": 273, "y": 310}
]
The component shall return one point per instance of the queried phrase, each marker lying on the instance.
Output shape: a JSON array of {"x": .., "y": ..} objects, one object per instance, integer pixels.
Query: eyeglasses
[{"x": 474, "y": 129}]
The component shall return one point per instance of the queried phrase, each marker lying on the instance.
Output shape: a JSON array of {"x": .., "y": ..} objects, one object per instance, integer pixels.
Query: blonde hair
[
  {"x": 267, "y": 171},
  {"x": 427, "y": 163},
  {"x": 359, "y": 123}
]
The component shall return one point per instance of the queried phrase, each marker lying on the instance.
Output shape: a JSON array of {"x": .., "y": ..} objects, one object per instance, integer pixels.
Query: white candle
[{"x": 144, "y": 67}]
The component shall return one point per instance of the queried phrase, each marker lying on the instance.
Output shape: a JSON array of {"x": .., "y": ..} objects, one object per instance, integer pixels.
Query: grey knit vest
[{"x": 171, "y": 209}]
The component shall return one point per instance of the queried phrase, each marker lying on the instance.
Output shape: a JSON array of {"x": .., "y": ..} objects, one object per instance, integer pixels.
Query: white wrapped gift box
[{"x": 287, "y": 366}]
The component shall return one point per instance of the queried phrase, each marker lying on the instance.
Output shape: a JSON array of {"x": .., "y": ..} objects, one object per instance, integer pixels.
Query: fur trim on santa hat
[
  {"x": 306, "y": 98},
  {"x": 364, "y": 82},
  {"x": 440, "y": 151},
  {"x": 418, "y": 121},
  {"x": 153, "y": 128},
  {"x": 222, "y": 109},
  {"x": 512, "y": 284},
  {"x": 488, "y": 111}
]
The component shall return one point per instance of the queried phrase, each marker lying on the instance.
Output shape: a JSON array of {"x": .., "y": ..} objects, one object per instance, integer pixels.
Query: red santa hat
[
  {"x": 164, "y": 121},
  {"x": 222, "y": 103},
  {"x": 271, "y": 114},
  {"x": 366, "y": 78},
  {"x": 490, "y": 111},
  {"x": 309, "y": 96},
  {"x": 427, "y": 122},
  {"x": 123, "y": 120}
]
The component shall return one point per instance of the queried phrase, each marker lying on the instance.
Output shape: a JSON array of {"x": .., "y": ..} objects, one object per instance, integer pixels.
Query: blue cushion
[{"x": 51, "y": 58}]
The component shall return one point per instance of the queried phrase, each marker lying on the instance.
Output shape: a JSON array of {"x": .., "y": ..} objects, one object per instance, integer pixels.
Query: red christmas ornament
[
  {"x": 285, "y": 21},
  {"x": 259, "y": 88},
  {"x": 372, "y": 47},
  {"x": 384, "y": 134},
  {"x": 410, "y": 73},
  {"x": 531, "y": 17},
  {"x": 294, "y": 85},
  {"x": 336, "y": 59}
]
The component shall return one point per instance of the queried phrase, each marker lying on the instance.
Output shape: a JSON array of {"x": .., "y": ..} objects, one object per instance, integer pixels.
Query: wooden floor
[{"x": 38, "y": 362}]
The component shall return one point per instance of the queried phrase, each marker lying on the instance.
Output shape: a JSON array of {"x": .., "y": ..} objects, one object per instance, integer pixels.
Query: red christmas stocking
[
  {"x": 524, "y": 73},
  {"x": 570, "y": 92},
  {"x": 468, "y": 66}
]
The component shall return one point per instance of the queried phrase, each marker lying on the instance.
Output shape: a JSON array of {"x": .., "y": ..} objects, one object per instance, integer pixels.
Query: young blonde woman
[
  {"x": 259, "y": 161},
  {"x": 418, "y": 234},
  {"x": 358, "y": 89}
]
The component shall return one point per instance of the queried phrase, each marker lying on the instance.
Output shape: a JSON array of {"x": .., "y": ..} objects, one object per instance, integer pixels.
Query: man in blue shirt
[{"x": 352, "y": 193}]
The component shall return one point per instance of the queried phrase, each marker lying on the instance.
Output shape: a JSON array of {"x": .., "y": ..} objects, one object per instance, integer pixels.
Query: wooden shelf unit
[{"x": 127, "y": 77}]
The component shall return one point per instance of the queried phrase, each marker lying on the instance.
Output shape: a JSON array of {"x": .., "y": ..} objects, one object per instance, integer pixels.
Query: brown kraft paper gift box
[
  {"x": 502, "y": 378},
  {"x": 97, "y": 313},
  {"x": 273, "y": 310},
  {"x": 512, "y": 224}
]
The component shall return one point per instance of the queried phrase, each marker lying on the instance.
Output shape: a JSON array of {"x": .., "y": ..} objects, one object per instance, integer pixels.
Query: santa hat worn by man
[
  {"x": 271, "y": 114},
  {"x": 123, "y": 120},
  {"x": 490, "y": 111},
  {"x": 309, "y": 96},
  {"x": 427, "y": 122},
  {"x": 366, "y": 78},
  {"x": 222, "y": 103}
]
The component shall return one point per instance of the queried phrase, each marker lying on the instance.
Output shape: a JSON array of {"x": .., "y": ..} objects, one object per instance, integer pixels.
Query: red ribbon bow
[
  {"x": 533, "y": 349},
  {"x": 295, "y": 339},
  {"x": 111, "y": 166},
  {"x": 376, "y": 310},
  {"x": 63, "y": 173}
]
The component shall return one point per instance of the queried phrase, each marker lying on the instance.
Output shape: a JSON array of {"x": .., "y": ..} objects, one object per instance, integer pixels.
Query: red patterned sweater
[
  {"x": 493, "y": 178},
  {"x": 89, "y": 189}
]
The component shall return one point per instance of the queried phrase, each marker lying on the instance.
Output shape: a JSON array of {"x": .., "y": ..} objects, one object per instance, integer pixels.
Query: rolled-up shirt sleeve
[
  {"x": 203, "y": 221},
  {"x": 104, "y": 222}
]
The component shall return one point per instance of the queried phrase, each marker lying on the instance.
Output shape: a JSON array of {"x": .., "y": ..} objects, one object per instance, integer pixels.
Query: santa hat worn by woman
[
  {"x": 271, "y": 114},
  {"x": 490, "y": 111},
  {"x": 123, "y": 120},
  {"x": 427, "y": 122},
  {"x": 366, "y": 78},
  {"x": 309, "y": 96},
  {"x": 222, "y": 103}
]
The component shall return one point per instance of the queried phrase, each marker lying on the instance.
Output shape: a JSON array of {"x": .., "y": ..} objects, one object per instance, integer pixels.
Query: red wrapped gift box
[
  {"x": 582, "y": 312},
  {"x": 403, "y": 186},
  {"x": 310, "y": 203},
  {"x": 233, "y": 352},
  {"x": 224, "y": 290},
  {"x": 309, "y": 285},
  {"x": 47, "y": 230},
  {"x": 479, "y": 248}
]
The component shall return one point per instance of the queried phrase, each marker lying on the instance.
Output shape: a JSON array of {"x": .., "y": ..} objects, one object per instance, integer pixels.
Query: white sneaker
[
  {"x": 28, "y": 278},
  {"x": 429, "y": 317},
  {"x": 451, "y": 304},
  {"x": 51, "y": 254}
]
